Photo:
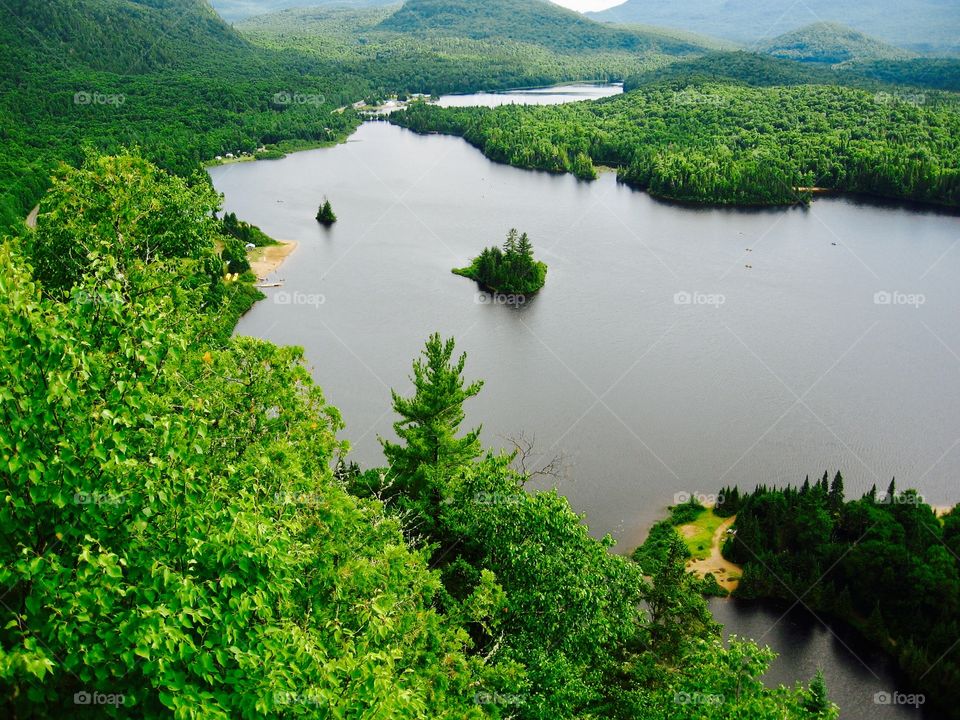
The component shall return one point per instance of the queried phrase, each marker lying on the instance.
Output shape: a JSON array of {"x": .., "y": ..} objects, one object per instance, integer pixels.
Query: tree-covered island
[{"x": 512, "y": 270}]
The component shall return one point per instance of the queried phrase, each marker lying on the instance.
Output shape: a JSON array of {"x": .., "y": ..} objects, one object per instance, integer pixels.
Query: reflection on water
[{"x": 860, "y": 679}]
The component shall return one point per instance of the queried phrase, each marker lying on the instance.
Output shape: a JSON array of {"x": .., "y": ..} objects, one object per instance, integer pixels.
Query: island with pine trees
[
  {"x": 325, "y": 214},
  {"x": 512, "y": 269}
]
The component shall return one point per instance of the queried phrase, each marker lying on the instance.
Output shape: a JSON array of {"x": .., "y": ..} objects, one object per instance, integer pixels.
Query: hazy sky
[{"x": 584, "y": 5}]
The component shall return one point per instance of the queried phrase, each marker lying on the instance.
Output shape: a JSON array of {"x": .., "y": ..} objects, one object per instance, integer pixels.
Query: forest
[
  {"x": 727, "y": 144},
  {"x": 885, "y": 564},
  {"x": 173, "y": 79},
  {"x": 186, "y": 535},
  {"x": 512, "y": 269}
]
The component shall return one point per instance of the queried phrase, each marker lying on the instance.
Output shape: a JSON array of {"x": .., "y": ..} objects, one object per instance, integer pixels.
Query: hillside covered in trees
[
  {"x": 830, "y": 43},
  {"x": 885, "y": 564},
  {"x": 185, "y": 535},
  {"x": 718, "y": 143}
]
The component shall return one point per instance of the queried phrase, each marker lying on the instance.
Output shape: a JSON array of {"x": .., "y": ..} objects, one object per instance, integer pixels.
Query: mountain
[
  {"x": 921, "y": 25},
  {"x": 529, "y": 21},
  {"x": 831, "y": 43},
  {"x": 233, "y": 10},
  {"x": 123, "y": 36}
]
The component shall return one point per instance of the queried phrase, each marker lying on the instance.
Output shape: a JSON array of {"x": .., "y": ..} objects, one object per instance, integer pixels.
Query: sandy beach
[{"x": 265, "y": 260}]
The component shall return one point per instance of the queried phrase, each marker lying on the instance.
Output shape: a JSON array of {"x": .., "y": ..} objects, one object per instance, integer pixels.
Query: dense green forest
[
  {"x": 512, "y": 269},
  {"x": 185, "y": 535},
  {"x": 172, "y": 78},
  {"x": 830, "y": 43},
  {"x": 913, "y": 77},
  {"x": 885, "y": 564},
  {"x": 727, "y": 144}
]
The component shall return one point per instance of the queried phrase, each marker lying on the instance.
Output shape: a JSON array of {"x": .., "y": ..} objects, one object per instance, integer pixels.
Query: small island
[
  {"x": 325, "y": 215},
  {"x": 511, "y": 270}
]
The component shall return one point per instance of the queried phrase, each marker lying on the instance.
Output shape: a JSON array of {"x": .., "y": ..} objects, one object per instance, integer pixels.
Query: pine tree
[
  {"x": 431, "y": 418},
  {"x": 525, "y": 247},
  {"x": 510, "y": 246},
  {"x": 836, "y": 493},
  {"x": 817, "y": 701},
  {"x": 325, "y": 214}
]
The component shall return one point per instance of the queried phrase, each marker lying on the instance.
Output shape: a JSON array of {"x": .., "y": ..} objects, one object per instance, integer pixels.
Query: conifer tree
[{"x": 429, "y": 421}]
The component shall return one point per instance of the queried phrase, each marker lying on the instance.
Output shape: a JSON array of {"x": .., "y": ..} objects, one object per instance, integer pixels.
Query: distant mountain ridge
[
  {"x": 234, "y": 10},
  {"x": 921, "y": 25},
  {"x": 831, "y": 43},
  {"x": 532, "y": 21}
]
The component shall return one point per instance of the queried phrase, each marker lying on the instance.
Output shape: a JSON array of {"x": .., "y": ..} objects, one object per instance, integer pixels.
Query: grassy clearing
[{"x": 698, "y": 535}]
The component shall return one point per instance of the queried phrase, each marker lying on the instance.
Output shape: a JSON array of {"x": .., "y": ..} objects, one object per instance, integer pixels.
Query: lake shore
[{"x": 264, "y": 261}]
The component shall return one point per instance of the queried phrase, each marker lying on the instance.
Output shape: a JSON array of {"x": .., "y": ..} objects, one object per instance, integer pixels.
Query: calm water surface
[{"x": 673, "y": 350}]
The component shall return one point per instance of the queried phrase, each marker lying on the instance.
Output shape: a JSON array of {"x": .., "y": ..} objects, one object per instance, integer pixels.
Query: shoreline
[{"x": 266, "y": 260}]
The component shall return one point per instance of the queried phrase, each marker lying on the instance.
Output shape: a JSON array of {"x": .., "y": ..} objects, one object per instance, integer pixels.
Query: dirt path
[{"x": 727, "y": 574}]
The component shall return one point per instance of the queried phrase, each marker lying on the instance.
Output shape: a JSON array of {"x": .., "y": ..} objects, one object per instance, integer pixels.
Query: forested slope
[{"x": 727, "y": 144}]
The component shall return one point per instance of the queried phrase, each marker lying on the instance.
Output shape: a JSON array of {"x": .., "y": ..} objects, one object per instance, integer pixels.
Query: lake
[{"x": 674, "y": 350}]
